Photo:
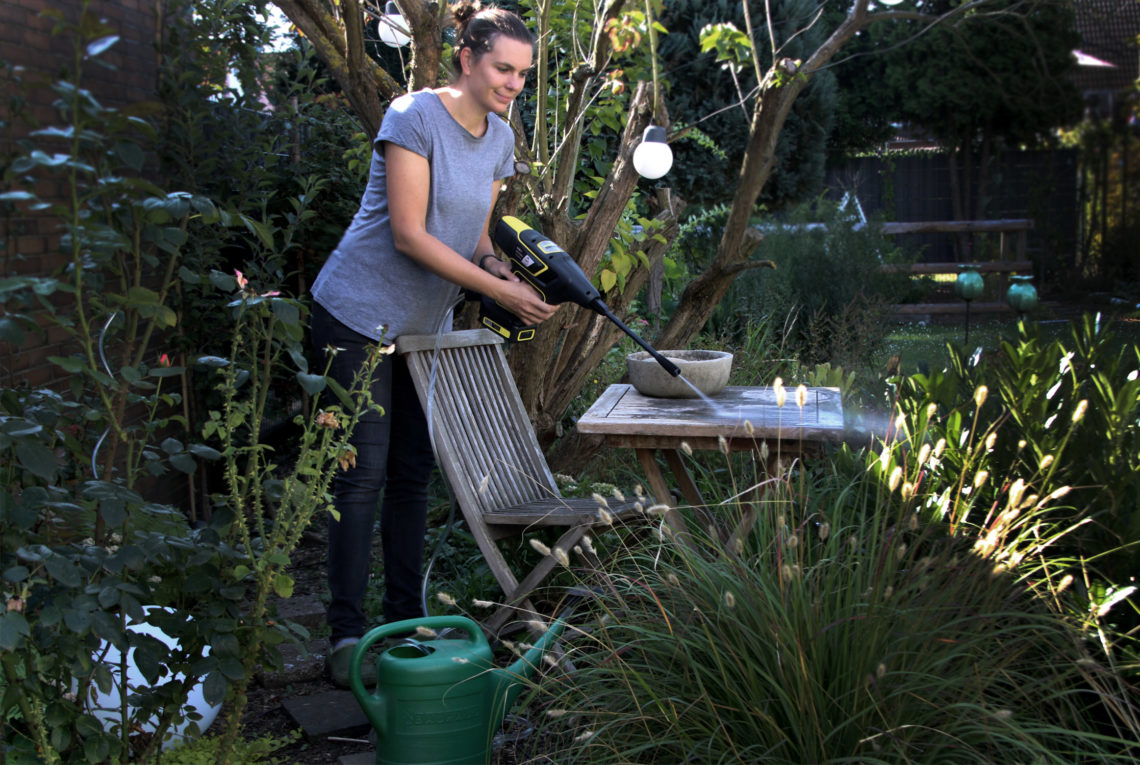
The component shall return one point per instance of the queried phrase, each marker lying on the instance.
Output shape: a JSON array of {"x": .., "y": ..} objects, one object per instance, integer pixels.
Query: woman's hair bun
[{"x": 463, "y": 11}]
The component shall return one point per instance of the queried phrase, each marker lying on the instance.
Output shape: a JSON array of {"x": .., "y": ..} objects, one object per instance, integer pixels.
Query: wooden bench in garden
[{"x": 1012, "y": 258}]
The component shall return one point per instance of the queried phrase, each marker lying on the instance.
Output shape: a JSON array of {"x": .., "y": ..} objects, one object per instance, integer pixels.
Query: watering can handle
[
  {"x": 436, "y": 623},
  {"x": 370, "y": 699}
]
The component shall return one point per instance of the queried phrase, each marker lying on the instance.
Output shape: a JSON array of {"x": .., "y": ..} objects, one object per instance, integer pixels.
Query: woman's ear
[{"x": 465, "y": 60}]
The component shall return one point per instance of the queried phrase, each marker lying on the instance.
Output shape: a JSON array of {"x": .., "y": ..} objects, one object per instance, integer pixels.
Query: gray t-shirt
[{"x": 366, "y": 283}]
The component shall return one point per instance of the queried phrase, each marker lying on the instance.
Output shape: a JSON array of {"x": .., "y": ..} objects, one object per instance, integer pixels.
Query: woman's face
[{"x": 497, "y": 77}]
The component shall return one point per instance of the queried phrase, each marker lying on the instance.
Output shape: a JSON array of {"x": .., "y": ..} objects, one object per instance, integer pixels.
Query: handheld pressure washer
[{"x": 553, "y": 273}]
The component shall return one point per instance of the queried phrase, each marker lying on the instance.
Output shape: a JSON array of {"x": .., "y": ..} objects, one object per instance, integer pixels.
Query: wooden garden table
[{"x": 651, "y": 426}]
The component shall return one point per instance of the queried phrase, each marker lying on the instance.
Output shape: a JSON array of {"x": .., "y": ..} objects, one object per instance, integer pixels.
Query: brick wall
[{"x": 29, "y": 243}]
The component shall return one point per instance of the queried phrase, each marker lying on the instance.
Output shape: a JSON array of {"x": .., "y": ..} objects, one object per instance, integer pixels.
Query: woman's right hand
[{"x": 523, "y": 301}]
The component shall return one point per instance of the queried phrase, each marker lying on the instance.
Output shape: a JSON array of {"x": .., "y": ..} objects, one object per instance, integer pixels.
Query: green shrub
[
  {"x": 1064, "y": 413},
  {"x": 827, "y": 288}
]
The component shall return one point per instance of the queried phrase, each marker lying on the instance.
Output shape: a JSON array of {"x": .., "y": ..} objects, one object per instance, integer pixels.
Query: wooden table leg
[
  {"x": 660, "y": 489},
  {"x": 684, "y": 479}
]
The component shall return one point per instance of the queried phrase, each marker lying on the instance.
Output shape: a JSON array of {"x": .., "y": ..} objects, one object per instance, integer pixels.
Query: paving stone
[
  {"x": 332, "y": 713},
  {"x": 298, "y": 665},
  {"x": 306, "y": 610},
  {"x": 360, "y": 758}
]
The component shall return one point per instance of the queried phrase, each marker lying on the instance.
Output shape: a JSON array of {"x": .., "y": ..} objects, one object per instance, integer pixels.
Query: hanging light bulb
[
  {"x": 652, "y": 158},
  {"x": 392, "y": 28}
]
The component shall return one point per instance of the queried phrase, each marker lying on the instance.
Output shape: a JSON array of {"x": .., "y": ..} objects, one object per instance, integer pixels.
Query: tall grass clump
[{"x": 916, "y": 602}]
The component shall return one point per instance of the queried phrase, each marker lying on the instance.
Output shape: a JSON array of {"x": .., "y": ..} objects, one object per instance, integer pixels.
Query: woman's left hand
[{"x": 499, "y": 268}]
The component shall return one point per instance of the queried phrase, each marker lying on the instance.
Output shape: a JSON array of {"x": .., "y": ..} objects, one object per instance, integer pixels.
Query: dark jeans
[{"x": 401, "y": 472}]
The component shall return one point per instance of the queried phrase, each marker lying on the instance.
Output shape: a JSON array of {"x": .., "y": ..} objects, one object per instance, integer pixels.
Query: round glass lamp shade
[
  {"x": 392, "y": 28},
  {"x": 969, "y": 284},
  {"x": 652, "y": 158},
  {"x": 1022, "y": 296}
]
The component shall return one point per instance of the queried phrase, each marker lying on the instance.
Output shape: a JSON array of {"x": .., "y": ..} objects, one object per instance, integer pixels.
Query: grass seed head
[
  {"x": 895, "y": 479},
  {"x": 980, "y": 478},
  {"x": 991, "y": 439},
  {"x": 923, "y": 454},
  {"x": 939, "y": 448},
  {"x": 729, "y": 599},
  {"x": 445, "y": 599},
  {"x": 1058, "y": 493},
  {"x": 1082, "y": 407},
  {"x": 539, "y": 546},
  {"x": 980, "y": 394},
  {"x": 722, "y": 444},
  {"x": 801, "y": 395},
  {"x": 561, "y": 556},
  {"x": 1016, "y": 490},
  {"x": 1046, "y": 461},
  {"x": 600, "y": 499}
]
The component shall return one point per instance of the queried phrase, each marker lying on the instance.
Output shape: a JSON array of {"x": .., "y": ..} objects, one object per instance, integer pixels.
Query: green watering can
[{"x": 439, "y": 701}]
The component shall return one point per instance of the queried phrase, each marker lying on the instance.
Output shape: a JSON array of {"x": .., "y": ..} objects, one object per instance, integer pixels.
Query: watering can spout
[{"x": 509, "y": 680}]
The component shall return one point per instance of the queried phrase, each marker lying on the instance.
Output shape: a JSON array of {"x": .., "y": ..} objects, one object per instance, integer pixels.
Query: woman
[{"x": 420, "y": 234}]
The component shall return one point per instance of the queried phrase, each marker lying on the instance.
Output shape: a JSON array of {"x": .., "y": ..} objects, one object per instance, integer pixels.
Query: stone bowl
[{"x": 707, "y": 370}]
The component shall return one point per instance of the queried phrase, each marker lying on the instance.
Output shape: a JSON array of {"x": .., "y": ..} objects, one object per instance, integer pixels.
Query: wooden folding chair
[{"x": 486, "y": 446}]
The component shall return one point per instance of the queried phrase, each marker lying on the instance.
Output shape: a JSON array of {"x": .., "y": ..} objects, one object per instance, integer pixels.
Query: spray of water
[{"x": 717, "y": 409}]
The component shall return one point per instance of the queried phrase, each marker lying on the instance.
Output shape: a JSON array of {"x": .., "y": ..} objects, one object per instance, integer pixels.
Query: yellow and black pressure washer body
[{"x": 555, "y": 276}]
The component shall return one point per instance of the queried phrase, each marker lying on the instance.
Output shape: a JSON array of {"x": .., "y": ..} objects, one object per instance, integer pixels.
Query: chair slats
[{"x": 486, "y": 447}]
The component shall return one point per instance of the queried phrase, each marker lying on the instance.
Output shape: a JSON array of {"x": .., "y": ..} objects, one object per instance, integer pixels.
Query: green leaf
[
  {"x": 16, "y": 574},
  {"x": 313, "y": 384},
  {"x": 231, "y": 667},
  {"x": 64, "y": 571},
  {"x": 37, "y": 459},
  {"x": 13, "y": 628},
  {"x": 139, "y": 296},
  {"x": 205, "y": 452},
  {"x": 608, "y": 279},
  {"x": 263, "y": 231},
  {"x": 286, "y": 311},
  {"x": 131, "y": 154},
  {"x": 165, "y": 316},
  {"x": 70, "y": 364},
  {"x": 342, "y": 394},
  {"x": 224, "y": 282},
  {"x": 78, "y": 620},
  {"x": 11, "y": 332},
  {"x": 188, "y": 276},
  {"x": 17, "y": 196},
  {"x": 214, "y": 688},
  {"x": 283, "y": 585},
  {"x": 184, "y": 462}
]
